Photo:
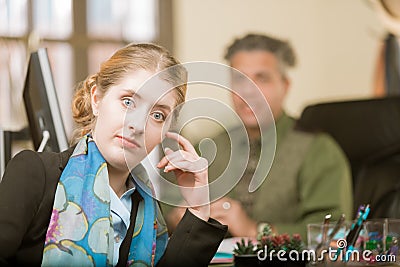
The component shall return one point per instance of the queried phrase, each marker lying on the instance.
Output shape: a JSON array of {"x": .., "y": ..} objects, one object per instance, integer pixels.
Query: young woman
[{"x": 92, "y": 204}]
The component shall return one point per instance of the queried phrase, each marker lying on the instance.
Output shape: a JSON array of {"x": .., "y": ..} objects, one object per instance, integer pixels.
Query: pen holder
[
  {"x": 315, "y": 234},
  {"x": 374, "y": 235},
  {"x": 382, "y": 237},
  {"x": 377, "y": 244}
]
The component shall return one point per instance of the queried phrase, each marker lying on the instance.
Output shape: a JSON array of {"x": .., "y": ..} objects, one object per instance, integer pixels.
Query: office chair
[{"x": 368, "y": 131}]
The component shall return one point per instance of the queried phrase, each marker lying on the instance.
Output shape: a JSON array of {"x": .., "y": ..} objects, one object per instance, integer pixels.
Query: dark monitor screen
[{"x": 41, "y": 104}]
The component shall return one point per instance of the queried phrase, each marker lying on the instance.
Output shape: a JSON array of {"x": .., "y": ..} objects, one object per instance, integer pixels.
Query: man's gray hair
[{"x": 281, "y": 49}]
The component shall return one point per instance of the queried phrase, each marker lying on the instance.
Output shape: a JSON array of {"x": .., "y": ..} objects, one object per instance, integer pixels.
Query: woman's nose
[{"x": 136, "y": 121}]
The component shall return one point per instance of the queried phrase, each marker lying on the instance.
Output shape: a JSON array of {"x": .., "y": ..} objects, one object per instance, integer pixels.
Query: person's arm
[
  {"x": 197, "y": 236},
  {"x": 325, "y": 186},
  {"x": 193, "y": 243},
  {"x": 21, "y": 192}
]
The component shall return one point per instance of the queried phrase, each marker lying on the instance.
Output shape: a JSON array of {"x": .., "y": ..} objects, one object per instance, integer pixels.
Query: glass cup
[
  {"x": 392, "y": 239},
  {"x": 375, "y": 233},
  {"x": 382, "y": 238},
  {"x": 316, "y": 234},
  {"x": 317, "y": 231}
]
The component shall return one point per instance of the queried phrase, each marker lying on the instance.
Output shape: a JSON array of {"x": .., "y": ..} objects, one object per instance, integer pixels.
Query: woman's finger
[
  {"x": 164, "y": 161},
  {"x": 196, "y": 166},
  {"x": 182, "y": 160},
  {"x": 171, "y": 156},
  {"x": 186, "y": 145}
]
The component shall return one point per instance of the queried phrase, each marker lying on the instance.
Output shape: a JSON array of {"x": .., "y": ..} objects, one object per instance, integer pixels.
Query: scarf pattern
[{"x": 81, "y": 233}]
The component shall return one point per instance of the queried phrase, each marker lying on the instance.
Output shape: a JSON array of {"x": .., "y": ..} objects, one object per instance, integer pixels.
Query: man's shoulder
[
  {"x": 319, "y": 138},
  {"x": 322, "y": 143}
]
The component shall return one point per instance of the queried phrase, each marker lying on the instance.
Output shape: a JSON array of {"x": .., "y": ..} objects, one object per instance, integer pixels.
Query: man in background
[{"x": 309, "y": 177}]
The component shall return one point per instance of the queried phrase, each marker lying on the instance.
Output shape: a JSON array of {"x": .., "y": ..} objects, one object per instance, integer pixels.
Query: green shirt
[{"x": 309, "y": 178}]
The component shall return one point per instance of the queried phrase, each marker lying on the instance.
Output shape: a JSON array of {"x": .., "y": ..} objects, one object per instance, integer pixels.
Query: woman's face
[{"x": 131, "y": 120}]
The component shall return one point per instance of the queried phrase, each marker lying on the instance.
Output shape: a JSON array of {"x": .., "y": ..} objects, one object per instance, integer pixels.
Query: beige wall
[{"x": 336, "y": 40}]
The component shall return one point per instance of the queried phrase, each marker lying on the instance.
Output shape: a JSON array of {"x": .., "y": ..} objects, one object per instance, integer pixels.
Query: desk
[{"x": 227, "y": 246}]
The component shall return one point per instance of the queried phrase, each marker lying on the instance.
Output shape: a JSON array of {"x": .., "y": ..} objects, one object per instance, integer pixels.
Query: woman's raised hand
[{"x": 191, "y": 172}]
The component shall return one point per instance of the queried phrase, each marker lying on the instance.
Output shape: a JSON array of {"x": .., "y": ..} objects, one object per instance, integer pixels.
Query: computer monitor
[{"x": 41, "y": 104}]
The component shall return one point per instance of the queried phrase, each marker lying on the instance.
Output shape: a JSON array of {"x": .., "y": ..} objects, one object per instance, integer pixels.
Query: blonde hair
[{"x": 149, "y": 57}]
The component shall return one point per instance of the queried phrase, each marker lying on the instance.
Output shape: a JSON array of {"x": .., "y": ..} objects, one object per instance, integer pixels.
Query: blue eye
[
  {"x": 158, "y": 116},
  {"x": 129, "y": 102}
]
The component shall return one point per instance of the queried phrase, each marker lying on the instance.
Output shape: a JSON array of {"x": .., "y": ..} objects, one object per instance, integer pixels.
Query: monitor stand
[{"x": 45, "y": 139}]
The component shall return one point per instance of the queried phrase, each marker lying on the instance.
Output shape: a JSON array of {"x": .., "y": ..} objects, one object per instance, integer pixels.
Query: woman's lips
[{"x": 128, "y": 143}]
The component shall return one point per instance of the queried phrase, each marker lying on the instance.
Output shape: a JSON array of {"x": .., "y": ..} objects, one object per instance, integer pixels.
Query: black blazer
[{"x": 27, "y": 193}]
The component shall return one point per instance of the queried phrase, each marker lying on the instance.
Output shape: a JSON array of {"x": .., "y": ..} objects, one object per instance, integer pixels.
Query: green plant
[
  {"x": 279, "y": 241},
  {"x": 245, "y": 248},
  {"x": 273, "y": 242}
]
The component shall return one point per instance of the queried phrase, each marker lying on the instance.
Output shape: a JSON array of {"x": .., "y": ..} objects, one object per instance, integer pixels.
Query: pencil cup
[
  {"x": 392, "y": 239},
  {"x": 315, "y": 234},
  {"x": 375, "y": 233},
  {"x": 381, "y": 241},
  {"x": 323, "y": 251}
]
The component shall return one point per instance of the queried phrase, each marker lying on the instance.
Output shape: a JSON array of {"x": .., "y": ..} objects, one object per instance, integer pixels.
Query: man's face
[{"x": 262, "y": 68}]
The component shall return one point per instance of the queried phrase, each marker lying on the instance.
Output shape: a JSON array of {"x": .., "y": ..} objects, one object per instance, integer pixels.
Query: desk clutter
[
  {"x": 268, "y": 249},
  {"x": 360, "y": 242}
]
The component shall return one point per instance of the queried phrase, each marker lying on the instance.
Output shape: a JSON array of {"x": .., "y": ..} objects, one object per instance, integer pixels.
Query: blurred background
[{"x": 337, "y": 42}]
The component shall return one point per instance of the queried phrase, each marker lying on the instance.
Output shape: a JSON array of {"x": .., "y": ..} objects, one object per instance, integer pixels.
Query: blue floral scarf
[{"x": 80, "y": 232}]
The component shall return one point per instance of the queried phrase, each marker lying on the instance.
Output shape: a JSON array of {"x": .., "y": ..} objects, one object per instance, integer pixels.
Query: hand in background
[{"x": 230, "y": 212}]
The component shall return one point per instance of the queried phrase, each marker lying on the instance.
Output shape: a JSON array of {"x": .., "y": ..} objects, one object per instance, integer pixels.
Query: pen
[
  {"x": 353, "y": 230},
  {"x": 332, "y": 234},
  {"x": 354, "y": 233},
  {"x": 325, "y": 228},
  {"x": 336, "y": 229},
  {"x": 360, "y": 211}
]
